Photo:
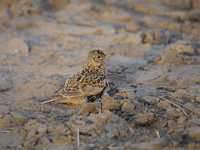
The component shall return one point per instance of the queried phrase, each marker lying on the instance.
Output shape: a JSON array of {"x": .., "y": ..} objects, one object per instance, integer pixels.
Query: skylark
[{"x": 90, "y": 83}]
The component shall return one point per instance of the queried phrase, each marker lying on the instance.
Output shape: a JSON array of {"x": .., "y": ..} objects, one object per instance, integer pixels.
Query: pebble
[
  {"x": 193, "y": 132},
  {"x": 182, "y": 47},
  {"x": 150, "y": 99},
  {"x": 110, "y": 103},
  {"x": 127, "y": 107},
  {"x": 15, "y": 45}
]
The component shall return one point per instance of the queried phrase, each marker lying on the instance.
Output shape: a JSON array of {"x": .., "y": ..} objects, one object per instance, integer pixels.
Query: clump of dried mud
[{"x": 153, "y": 65}]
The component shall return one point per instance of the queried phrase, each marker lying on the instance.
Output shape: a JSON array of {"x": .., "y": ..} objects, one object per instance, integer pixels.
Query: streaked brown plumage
[{"x": 89, "y": 82}]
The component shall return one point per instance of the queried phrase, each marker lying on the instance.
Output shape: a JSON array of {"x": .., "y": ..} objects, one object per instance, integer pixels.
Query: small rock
[
  {"x": 182, "y": 4},
  {"x": 181, "y": 120},
  {"x": 197, "y": 98},
  {"x": 189, "y": 106},
  {"x": 110, "y": 135},
  {"x": 148, "y": 37},
  {"x": 145, "y": 119},
  {"x": 15, "y": 45},
  {"x": 30, "y": 137},
  {"x": 41, "y": 128},
  {"x": 182, "y": 47},
  {"x": 60, "y": 140},
  {"x": 44, "y": 141},
  {"x": 40, "y": 116},
  {"x": 181, "y": 93},
  {"x": 80, "y": 122},
  {"x": 155, "y": 37},
  {"x": 57, "y": 130},
  {"x": 5, "y": 84},
  {"x": 56, "y": 5},
  {"x": 132, "y": 27},
  {"x": 110, "y": 103},
  {"x": 173, "y": 113},
  {"x": 196, "y": 79},
  {"x": 10, "y": 139},
  {"x": 195, "y": 121},
  {"x": 4, "y": 15},
  {"x": 127, "y": 106},
  {"x": 157, "y": 143},
  {"x": 33, "y": 126},
  {"x": 163, "y": 104},
  {"x": 18, "y": 118},
  {"x": 4, "y": 122},
  {"x": 133, "y": 38},
  {"x": 103, "y": 29},
  {"x": 150, "y": 99},
  {"x": 193, "y": 132},
  {"x": 87, "y": 108},
  {"x": 101, "y": 118},
  {"x": 171, "y": 123},
  {"x": 196, "y": 4},
  {"x": 193, "y": 15},
  {"x": 192, "y": 146}
]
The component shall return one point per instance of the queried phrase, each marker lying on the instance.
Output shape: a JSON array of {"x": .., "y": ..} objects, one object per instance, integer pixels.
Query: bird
[{"x": 85, "y": 86}]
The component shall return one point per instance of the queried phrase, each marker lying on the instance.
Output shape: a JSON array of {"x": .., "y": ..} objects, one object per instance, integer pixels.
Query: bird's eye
[{"x": 98, "y": 56}]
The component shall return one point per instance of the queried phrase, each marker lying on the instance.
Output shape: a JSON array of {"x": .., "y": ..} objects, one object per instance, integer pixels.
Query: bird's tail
[
  {"x": 55, "y": 99},
  {"x": 64, "y": 100},
  {"x": 49, "y": 101}
]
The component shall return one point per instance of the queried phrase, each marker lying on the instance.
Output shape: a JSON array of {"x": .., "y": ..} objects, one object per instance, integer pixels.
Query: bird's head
[{"x": 95, "y": 58}]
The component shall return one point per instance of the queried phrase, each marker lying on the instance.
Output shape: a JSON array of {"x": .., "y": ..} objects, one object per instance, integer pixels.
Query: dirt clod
[{"x": 110, "y": 103}]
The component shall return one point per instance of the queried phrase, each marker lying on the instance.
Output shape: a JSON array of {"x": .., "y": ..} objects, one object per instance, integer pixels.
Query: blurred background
[{"x": 153, "y": 49}]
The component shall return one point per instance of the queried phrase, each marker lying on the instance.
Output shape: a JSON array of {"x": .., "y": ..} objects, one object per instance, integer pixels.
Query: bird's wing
[
  {"x": 71, "y": 87},
  {"x": 89, "y": 90},
  {"x": 90, "y": 85},
  {"x": 69, "y": 90}
]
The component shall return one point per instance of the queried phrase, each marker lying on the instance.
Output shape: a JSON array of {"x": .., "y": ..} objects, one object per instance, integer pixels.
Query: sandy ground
[{"x": 153, "y": 65}]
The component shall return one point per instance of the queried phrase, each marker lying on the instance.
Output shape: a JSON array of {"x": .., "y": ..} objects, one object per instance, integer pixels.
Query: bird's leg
[
  {"x": 99, "y": 105},
  {"x": 103, "y": 94},
  {"x": 100, "y": 101}
]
